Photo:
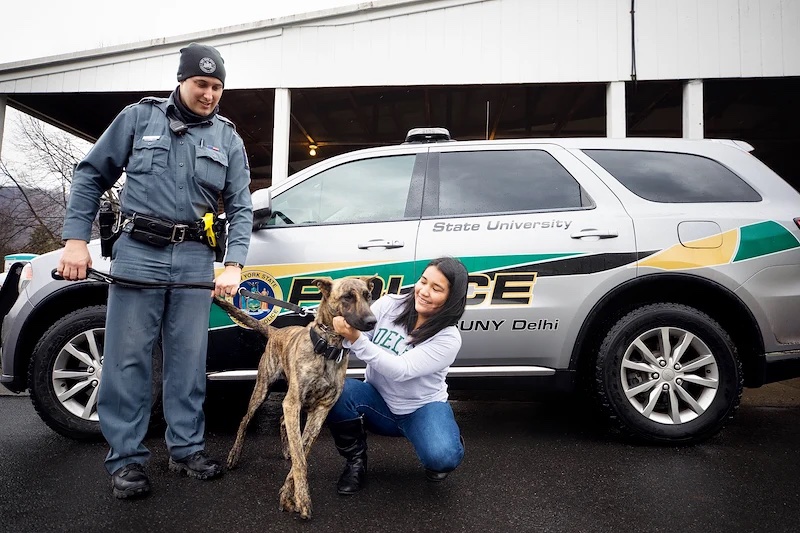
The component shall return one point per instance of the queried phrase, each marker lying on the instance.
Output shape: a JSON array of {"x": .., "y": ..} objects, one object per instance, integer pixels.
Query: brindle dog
[{"x": 314, "y": 379}]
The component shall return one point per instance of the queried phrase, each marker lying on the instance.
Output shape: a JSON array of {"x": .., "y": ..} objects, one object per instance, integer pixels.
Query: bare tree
[
  {"x": 33, "y": 203},
  {"x": 10, "y": 231}
]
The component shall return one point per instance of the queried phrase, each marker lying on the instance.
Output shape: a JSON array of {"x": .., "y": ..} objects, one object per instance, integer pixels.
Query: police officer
[{"x": 179, "y": 155}]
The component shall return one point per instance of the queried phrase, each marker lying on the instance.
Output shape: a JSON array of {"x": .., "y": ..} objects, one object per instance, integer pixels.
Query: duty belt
[
  {"x": 188, "y": 232},
  {"x": 158, "y": 232}
]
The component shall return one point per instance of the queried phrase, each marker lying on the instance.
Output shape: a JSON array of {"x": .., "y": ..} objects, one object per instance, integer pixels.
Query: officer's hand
[
  {"x": 75, "y": 259},
  {"x": 344, "y": 329},
  {"x": 227, "y": 283}
]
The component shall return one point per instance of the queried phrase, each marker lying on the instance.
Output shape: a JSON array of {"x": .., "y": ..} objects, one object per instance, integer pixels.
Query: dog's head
[{"x": 347, "y": 297}]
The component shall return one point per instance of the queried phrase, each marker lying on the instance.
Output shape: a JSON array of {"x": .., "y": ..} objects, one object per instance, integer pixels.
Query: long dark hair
[{"x": 450, "y": 312}]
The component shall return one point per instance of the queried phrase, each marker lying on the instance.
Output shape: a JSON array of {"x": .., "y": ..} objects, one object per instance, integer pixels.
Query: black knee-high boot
[{"x": 351, "y": 441}]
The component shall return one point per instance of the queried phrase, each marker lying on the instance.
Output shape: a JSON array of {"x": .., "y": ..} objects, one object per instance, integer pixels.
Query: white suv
[{"x": 659, "y": 273}]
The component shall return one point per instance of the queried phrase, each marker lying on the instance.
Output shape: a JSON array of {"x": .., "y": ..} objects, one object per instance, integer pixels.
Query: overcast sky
[{"x": 38, "y": 28}]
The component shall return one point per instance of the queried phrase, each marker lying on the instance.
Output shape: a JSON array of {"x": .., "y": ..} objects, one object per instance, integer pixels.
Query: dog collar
[{"x": 321, "y": 347}]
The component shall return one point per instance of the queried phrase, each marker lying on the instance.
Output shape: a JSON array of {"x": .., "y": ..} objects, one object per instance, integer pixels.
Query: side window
[
  {"x": 671, "y": 177},
  {"x": 370, "y": 190},
  {"x": 483, "y": 182}
]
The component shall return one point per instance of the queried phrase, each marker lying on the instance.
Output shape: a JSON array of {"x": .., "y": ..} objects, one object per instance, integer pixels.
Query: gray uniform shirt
[{"x": 169, "y": 176}]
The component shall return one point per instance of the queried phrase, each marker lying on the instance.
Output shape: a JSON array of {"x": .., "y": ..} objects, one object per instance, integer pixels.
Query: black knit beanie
[{"x": 201, "y": 60}]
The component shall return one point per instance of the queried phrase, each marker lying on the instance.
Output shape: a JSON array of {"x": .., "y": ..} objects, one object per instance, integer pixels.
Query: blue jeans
[
  {"x": 134, "y": 321},
  {"x": 431, "y": 429}
]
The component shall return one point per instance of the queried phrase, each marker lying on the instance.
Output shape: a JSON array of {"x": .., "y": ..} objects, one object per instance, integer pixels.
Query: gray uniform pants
[{"x": 135, "y": 319}]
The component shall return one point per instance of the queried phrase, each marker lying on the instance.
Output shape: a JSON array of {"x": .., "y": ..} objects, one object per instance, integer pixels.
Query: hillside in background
[{"x": 23, "y": 221}]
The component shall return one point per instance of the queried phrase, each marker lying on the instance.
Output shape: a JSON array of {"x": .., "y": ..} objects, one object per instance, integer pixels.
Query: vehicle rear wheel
[
  {"x": 66, "y": 370},
  {"x": 669, "y": 374}
]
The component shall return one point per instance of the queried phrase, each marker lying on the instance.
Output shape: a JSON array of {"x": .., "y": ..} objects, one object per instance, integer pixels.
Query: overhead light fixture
[{"x": 312, "y": 150}]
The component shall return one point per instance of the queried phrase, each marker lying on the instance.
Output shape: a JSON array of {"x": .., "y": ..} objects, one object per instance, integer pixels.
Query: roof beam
[
  {"x": 579, "y": 96},
  {"x": 532, "y": 97},
  {"x": 398, "y": 121},
  {"x": 359, "y": 114},
  {"x": 427, "y": 100},
  {"x": 302, "y": 129},
  {"x": 639, "y": 117},
  {"x": 465, "y": 109},
  {"x": 496, "y": 122},
  {"x": 448, "y": 109},
  {"x": 376, "y": 115},
  {"x": 321, "y": 116},
  {"x": 718, "y": 107}
]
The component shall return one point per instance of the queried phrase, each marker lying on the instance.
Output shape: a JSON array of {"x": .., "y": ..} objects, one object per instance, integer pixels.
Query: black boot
[
  {"x": 351, "y": 441},
  {"x": 130, "y": 481}
]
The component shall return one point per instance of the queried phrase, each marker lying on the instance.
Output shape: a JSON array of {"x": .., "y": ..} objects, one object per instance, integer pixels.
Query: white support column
[
  {"x": 280, "y": 135},
  {"x": 693, "y": 109},
  {"x": 3, "y": 102},
  {"x": 616, "y": 124}
]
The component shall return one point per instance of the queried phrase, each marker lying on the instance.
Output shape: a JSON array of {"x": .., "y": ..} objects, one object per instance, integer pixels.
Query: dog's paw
[
  {"x": 304, "y": 509},
  {"x": 287, "y": 502}
]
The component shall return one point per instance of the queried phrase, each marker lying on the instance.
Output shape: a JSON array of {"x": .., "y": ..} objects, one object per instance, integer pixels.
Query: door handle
[
  {"x": 380, "y": 243},
  {"x": 596, "y": 233}
]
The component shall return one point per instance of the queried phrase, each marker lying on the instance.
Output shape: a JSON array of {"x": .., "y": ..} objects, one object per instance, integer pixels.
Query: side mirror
[{"x": 262, "y": 208}]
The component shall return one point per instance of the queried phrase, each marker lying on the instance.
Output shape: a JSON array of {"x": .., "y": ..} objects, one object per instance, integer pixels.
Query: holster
[
  {"x": 110, "y": 229},
  {"x": 220, "y": 228}
]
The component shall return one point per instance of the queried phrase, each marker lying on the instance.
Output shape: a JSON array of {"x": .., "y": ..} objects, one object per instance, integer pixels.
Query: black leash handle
[{"x": 138, "y": 284}]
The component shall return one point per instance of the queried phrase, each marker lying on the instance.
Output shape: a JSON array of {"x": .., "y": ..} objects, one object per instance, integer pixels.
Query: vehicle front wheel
[
  {"x": 66, "y": 370},
  {"x": 669, "y": 374}
]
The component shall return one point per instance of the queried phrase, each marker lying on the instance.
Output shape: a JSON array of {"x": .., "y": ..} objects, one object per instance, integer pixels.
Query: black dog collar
[{"x": 321, "y": 347}]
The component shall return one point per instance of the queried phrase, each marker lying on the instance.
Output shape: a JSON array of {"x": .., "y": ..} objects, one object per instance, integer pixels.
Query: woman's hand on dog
[{"x": 344, "y": 329}]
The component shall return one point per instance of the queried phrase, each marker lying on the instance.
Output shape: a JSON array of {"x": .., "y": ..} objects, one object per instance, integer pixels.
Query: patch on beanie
[{"x": 208, "y": 65}]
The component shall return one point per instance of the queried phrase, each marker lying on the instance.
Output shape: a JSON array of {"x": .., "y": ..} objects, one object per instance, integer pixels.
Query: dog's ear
[
  {"x": 369, "y": 280},
  {"x": 324, "y": 285}
]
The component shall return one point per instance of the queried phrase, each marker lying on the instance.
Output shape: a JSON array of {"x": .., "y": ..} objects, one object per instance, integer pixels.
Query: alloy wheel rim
[
  {"x": 669, "y": 375},
  {"x": 77, "y": 372}
]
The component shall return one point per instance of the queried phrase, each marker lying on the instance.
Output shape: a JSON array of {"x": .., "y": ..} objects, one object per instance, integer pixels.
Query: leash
[
  {"x": 302, "y": 311},
  {"x": 138, "y": 284}
]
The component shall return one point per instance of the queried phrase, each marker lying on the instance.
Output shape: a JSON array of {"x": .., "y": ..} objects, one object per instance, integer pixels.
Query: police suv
[{"x": 659, "y": 274}]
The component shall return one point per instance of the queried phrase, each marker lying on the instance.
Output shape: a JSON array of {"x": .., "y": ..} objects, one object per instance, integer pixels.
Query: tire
[
  {"x": 683, "y": 398},
  {"x": 65, "y": 374}
]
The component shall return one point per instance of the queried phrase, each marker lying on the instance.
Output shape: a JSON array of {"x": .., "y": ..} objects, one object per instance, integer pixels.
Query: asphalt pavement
[{"x": 530, "y": 465}]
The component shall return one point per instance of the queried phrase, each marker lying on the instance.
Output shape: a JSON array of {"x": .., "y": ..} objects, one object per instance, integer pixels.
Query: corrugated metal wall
[
  {"x": 464, "y": 42},
  {"x": 683, "y": 39}
]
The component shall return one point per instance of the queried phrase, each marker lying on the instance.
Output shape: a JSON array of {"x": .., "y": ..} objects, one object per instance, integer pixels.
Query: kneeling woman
[{"x": 404, "y": 394}]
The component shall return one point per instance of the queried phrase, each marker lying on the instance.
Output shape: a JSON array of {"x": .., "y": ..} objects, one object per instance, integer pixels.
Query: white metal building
[{"x": 360, "y": 76}]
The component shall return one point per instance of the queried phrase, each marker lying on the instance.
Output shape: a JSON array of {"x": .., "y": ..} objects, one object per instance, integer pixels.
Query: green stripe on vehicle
[
  {"x": 764, "y": 238},
  {"x": 409, "y": 270}
]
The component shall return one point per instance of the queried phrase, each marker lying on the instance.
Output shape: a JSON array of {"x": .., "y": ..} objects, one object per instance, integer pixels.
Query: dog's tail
[{"x": 242, "y": 317}]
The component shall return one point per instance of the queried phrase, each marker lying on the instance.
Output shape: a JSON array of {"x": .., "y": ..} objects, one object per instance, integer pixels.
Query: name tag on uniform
[{"x": 151, "y": 138}]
